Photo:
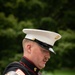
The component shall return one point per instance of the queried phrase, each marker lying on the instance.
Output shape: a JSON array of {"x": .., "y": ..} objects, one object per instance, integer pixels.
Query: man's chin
[{"x": 41, "y": 67}]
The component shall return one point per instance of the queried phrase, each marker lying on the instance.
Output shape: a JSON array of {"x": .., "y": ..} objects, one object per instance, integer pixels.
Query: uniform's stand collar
[{"x": 27, "y": 63}]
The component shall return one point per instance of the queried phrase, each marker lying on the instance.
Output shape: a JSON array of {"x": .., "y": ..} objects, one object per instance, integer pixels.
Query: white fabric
[
  {"x": 48, "y": 37},
  {"x": 11, "y": 73}
]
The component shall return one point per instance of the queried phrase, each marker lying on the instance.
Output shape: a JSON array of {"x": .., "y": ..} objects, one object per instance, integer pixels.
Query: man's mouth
[{"x": 45, "y": 61}]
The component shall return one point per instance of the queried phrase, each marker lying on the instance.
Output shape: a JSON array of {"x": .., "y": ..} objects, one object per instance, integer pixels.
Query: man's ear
[{"x": 28, "y": 48}]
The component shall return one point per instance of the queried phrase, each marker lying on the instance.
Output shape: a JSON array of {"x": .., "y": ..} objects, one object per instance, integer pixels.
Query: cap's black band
[{"x": 42, "y": 44}]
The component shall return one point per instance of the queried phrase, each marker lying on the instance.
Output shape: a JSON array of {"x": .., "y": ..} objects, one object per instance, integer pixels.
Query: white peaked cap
[{"x": 47, "y": 37}]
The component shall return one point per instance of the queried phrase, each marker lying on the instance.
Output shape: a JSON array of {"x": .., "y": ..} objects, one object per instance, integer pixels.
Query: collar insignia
[{"x": 35, "y": 69}]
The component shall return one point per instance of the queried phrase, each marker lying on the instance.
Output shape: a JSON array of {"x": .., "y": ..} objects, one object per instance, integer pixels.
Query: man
[{"x": 37, "y": 46}]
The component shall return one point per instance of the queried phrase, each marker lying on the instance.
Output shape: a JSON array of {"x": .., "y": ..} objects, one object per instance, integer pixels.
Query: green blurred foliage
[{"x": 50, "y": 15}]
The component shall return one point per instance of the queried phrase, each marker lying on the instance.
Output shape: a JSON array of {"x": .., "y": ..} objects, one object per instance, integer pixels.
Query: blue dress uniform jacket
[{"x": 25, "y": 66}]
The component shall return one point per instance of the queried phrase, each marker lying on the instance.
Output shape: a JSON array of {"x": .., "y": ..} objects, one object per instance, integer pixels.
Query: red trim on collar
[{"x": 27, "y": 67}]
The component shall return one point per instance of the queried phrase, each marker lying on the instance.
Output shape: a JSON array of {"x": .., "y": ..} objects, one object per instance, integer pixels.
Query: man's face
[{"x": 39, "y": 56}]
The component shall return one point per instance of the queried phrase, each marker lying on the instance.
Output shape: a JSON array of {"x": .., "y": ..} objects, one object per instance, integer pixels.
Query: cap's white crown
[{"x": 48, "y": 37}]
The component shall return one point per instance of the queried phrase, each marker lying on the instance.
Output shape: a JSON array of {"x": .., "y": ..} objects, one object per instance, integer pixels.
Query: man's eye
[{"x": 44, "y": 50}]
